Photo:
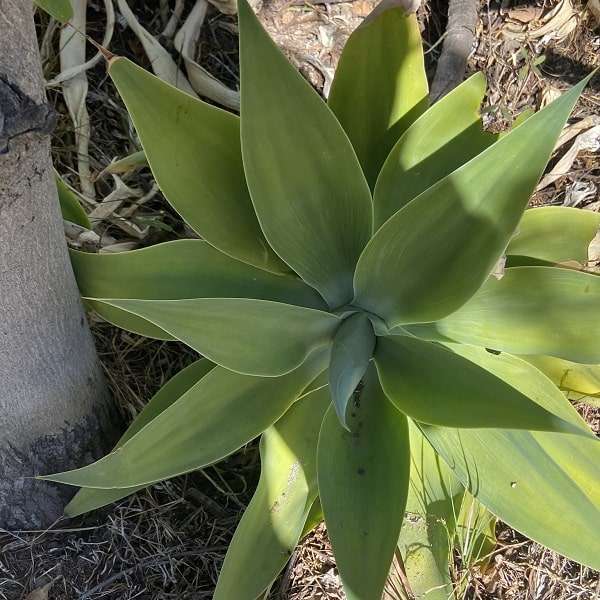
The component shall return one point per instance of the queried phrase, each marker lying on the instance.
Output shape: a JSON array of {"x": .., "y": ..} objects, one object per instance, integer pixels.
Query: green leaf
[
  {"x": 252, "y": 337},
  {"x": 553, "y": 234},
  {"x": 576, "y": 379},
  {"x": 351, "y": 351},
  {"x": 61, "y": 10},
  {"x": 380, "y": 86},
  {"x": 307, "y": 186},
  {"x": 215, "y": 417},
  {"x": 427, "y": 152},
  {"x": 193, "y": 149},
  {"x": 434, "y": 385},
  {"x": 273, "y": 522},
  {"x": 91, "y": 498},
  {"x": 536, "y": 482},
  {"x": 363, "y": 479},
  {"x": 70, "y": 207},
  {"x": 532, "y": 310},
  {"x": 176, "y": 270},
  {"x": 443, "y": 245},
  {"x": 425, "y": 541}
]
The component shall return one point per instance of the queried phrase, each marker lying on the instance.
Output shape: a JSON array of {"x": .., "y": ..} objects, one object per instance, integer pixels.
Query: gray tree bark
[{"x": 55, "y": 410}]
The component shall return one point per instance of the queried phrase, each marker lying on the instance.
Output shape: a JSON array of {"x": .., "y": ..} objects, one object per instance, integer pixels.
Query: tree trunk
[{"x": 54, "y": 404}]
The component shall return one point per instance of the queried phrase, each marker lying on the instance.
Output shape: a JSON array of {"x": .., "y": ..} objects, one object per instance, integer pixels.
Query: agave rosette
[{"x": 341, "y": 294}]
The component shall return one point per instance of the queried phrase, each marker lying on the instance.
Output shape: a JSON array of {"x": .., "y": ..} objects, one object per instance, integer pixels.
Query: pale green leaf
[
  {"x": 579, "y": 381},
  {"x": 193, "y": 149},
  {"x": 434, "y": 253},
  {"x": 380, "y": 86},
  {"x": 425, "y": 541},
  {"x": 307, "y": 186},
  {"x": 274, "y": 520},
  {"x": 175, "y": 270},
  {"x": 91, "y": 498},
  {"x": 553, "y": 234},
  {"x": 434, "y": 385},
  {"x": 70, "y": 206},
  {"x": 215, "y": 417},
  {"x": 61, "y": 10},
  {"x": 363, "y": 479},
  {"x": 429, "y": 151},
  {"x": 532, "y": 310},
  {"x": 534, "y": 481},
  {"x": 252, "y": 337},
  {"x": 351, "y": 351}
]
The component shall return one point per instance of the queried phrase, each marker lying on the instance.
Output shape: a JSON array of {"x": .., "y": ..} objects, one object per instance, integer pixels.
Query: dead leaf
[
  {"x": 556, "y": 23},
  {"x": 40, "y": 593}
]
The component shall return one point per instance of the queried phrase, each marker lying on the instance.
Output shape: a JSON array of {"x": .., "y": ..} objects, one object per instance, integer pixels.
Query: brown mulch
[{"x": 168, "y": 542}]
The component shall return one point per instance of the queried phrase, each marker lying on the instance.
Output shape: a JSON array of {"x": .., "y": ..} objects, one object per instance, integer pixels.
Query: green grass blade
[
  {"x": 215, "y": 417},
  {"x": 434, "y": 385},
  {"x": 443, "y": 245},
  {"x": 251, "y": 337},
  {"x": 61, "y": 10},
  {"x": 532, "y": 310},
  {"x": 70, "y": 207},
  {"x": 380, "y": 86},
  {"x": 363, "y": 479},
  {"x": 274, "y": 520},
  {"x": 194, "y": 152},
  {"x": 307, "y": 186}
]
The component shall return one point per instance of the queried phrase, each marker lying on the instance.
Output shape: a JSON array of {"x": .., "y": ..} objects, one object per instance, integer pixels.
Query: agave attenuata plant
[{"x": 346, "y": 296}]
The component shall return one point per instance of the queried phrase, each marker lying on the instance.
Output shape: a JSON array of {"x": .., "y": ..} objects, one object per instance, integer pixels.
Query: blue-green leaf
[
  {"x": 275, "y": 518},
  {"x": 428, "y": 151},
  {"x": 194, "y": 152},
  {"x": 532, "y": 310},
  {"x": 91, "y": 498},
  {"x": 351, "y": 351},
  {"x": 430, "y": 257},
  {"x": 380, "y": 86},
  {"x": 434, "y": 385},
  {"x": 308, "y": 189},
  {"x": 215, "y": 417},
  {"x": 252, "y": 337},
  {"x": 543, "y": 484},
  {"x": 363, "y": 480}
]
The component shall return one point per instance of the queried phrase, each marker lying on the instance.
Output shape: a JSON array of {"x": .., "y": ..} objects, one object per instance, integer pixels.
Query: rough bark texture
[
  {"x": 456, "y": 48},
  {"x": 54, "y": 405}
]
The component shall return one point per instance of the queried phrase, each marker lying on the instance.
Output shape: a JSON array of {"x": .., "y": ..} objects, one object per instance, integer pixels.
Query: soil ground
[{"x": 168, "y": 542}]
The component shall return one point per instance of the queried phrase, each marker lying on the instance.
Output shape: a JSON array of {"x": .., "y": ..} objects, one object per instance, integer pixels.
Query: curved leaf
[
  {"x": 576, "y": 379},
  {"x": 307, "y": 186},
  {"x": 380, "y": 86},
  {"x": 434, "y": 385},
  {"x": 443, "y": 245},
  {"x": 273, "y": 522},
  {"x": 552, "y": 234},
  {"x": 534, "y": 481},
  {"x": 70, "y": 207},
  {"x": 252, "y": 337},
  {"x": 425, "y": 541},
  {"x": 176, "y": 270},
  {"x": 193, "y": 149},
  {"x": 427, "y": 152},
  {"x": 91, "y": 498},
  {"x": 363, "y": 479},
  {"x": 351, "y": 350},
  {"x": 215, "y": 417},
  {"x": 532, "y": 310}
]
